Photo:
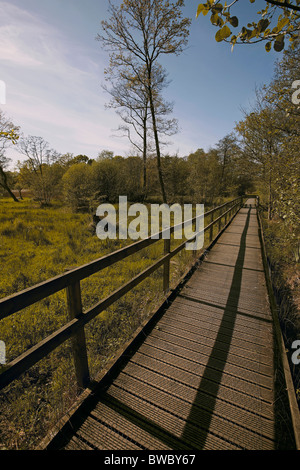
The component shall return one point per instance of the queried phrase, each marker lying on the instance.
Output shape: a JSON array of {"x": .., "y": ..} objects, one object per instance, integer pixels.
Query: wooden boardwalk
[{"x": 204, "y": 376}]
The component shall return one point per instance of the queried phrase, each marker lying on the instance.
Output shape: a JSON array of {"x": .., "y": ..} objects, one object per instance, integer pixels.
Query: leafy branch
[
  {"x": 270, "y": 28},
  {"x": 11, "y": 135}
]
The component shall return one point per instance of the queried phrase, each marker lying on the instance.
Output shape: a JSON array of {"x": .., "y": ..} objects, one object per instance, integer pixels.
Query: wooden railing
[{"x": 70, "y": 280}]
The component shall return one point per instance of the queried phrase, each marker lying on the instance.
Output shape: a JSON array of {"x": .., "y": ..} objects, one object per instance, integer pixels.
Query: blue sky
[{"x": 53, "y": 69}]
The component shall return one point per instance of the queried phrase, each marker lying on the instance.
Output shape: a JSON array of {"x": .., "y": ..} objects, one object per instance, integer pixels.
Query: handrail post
[
  {"x": 79, "y": 349},
  {"x": 212, "y": 226},
  {"x": 194, "y": 229},
  {"x": 166, "y": 274}
]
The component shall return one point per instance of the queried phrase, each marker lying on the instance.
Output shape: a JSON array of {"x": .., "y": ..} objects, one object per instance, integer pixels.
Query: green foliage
[
  {"x": 45, "y": 183},
  {"x": 271, "y": 141},
  {"x": 11, "y": 135},
  {"x": 273, "y": 28}
]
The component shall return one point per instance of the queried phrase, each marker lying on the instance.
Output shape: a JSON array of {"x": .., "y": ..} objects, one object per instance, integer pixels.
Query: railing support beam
[
  {"x": 166, "y": 275},
  {"x": 211, "y": 227},
  {"x": 79, "y": 349}
]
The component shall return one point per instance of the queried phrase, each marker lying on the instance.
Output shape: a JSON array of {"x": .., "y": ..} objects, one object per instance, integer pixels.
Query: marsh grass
[{"x": 39, "y": 243}]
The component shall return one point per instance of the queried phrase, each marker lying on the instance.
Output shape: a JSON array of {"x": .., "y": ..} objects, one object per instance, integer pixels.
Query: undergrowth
[{"x": 282, "y": 246}]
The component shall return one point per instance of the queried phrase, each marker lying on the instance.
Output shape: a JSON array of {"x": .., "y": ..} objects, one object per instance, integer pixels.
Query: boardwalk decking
[{"x": 204, "y": 377}]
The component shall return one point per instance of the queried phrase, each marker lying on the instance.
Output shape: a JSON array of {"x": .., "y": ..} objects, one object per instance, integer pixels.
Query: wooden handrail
[
  {"x": 70, "y": 281},
  {"x": 31, "y": 295}
]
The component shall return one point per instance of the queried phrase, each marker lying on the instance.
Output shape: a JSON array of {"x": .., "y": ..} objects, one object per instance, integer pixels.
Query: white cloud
[
  {"x": 28, "y": 41},
  {"x": 54, "y": 86},
  {"x": 19, "y": 33}
]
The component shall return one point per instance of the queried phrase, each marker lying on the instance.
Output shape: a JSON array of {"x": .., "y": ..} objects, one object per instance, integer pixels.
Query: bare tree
[
  {"x": 40, "y": 157},
  {"x": 38, "y": 152},
  {"x": 132, "y": 105},
  {"x": 131, "y": 100},
  {"x": 136, "y": 35}
]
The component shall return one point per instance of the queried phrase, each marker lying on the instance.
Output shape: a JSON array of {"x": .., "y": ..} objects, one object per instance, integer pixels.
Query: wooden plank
[
  {"x": 172, "y": 423},
  {"x": 230, "y": 381},
  {"x": 231, "y": 389},
  {"x": 177, "y": 398},
  {"x": 127, "y": 424},
  {"x": 199, "y": 356}
]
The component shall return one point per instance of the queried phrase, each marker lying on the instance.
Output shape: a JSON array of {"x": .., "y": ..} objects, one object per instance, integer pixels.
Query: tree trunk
[
  {"x": 145, "y": 157},
  {"x": 223, "y": 173},
  {"x": 5, "y": 185},
  {"x": 158, "y": 159},
  {"x": 270, "y": 200}
]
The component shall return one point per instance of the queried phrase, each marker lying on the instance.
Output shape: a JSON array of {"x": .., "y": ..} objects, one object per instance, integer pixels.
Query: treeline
[{"x": 82, "y": 182}]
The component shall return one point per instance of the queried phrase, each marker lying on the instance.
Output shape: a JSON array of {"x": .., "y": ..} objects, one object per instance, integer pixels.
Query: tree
[
  {"x": 105, "y": 155},
  {"x": 227, "y": 149},
  {"x": 137, "y": 34},
  {"x": 281, "y": 91},
  {"x": 132, "y": 177},
  {"x": 278, "y": 95},
  {"x": 176, "y": 172},
  {"x": 38, "y": 170},
  {"x": 271, "y": 142},
  {"x": 204, "y": 175},
  {"x": 132, "y": 104},
  {"x": 261, "y": 139},
  {"x": 38, "y": 152},
  {"x": 279, "y": 20},
  {"x": 131, "y": 100},
  {"x": 77, "y": 186},
  {"x": 8, "y": 136}
]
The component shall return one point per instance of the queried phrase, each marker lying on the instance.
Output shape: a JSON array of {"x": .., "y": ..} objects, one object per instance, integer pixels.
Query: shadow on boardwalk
[{"x": 228, "y": 321}]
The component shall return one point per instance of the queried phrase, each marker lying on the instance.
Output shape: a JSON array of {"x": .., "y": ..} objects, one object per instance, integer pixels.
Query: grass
[{"x": 36, "y": 244}]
